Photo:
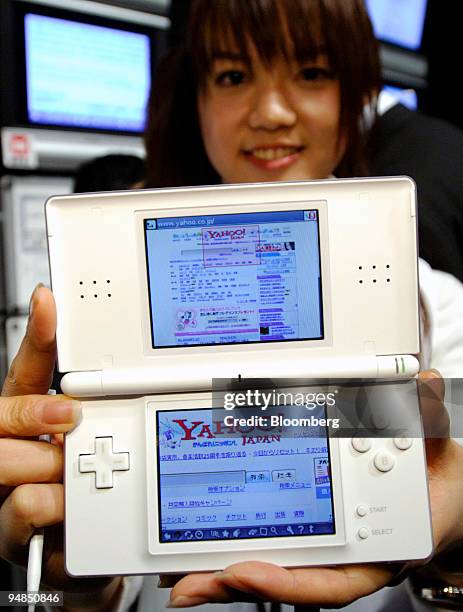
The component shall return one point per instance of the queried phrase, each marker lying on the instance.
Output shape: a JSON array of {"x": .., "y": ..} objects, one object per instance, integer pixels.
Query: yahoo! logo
[
  {"x": 201, "y": 429},
  {"x": 232, "y": 234}
]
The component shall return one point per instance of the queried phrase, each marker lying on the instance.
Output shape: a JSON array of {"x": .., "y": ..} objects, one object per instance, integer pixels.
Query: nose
[{"x": 271, "y": 108}]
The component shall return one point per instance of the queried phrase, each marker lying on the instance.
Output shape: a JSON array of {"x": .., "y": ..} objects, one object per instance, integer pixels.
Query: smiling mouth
[{"x": 272, "y": 153}]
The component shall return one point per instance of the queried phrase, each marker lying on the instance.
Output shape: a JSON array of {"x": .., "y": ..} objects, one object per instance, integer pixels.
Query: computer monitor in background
[
  {"x": 399, "y": 26},
  {"x": 399, "y": 22},
  {"x": 77, "y": 70},
  {"x": 407, "y": 97},
  {"x": 81, "y": 75},
  {"x": 74, "y": 81}
]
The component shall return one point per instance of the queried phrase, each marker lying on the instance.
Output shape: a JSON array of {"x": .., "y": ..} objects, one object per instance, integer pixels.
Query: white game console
[{"x": 160, "y": 291}]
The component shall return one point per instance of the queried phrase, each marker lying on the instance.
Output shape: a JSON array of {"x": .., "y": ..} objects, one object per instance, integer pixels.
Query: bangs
[{"x": 292, "y": 29}]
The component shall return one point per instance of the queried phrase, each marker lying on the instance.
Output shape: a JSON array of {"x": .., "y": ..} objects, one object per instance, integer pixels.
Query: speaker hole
[
  {"x": 388, "y": 280},
  {"x": 388, "y": 266},
  {"x": 109, "y": 295},
  {"x": 374, "y": 280},
  {"x": 81, "y": 282},
  {"x": 108, "y": 281},
  {"x": 360, "y": 268},
  {"x": 82, "y": 297},
  {"x": 95, "y": 295},
  {"x": 374, "y": 267},
  {"x": 361, "y": 281}
]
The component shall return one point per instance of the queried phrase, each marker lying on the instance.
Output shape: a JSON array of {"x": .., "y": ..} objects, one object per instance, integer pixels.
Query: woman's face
[{"x": 271, "y": 123}]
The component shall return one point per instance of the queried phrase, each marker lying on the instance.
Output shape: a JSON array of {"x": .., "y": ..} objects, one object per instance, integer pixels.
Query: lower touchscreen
[{"x": 220, "y": 481}]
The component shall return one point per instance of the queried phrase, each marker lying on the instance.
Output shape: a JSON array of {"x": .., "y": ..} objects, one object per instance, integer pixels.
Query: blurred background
[{"x": 74, "y": 81}]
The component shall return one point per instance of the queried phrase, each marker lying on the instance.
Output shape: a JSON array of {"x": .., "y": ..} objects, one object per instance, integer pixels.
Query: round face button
[
  {"x": 361, "y": 445},
  {"x": 363, "y": 533},
  {"x": 361, "y": 510},
  {"x": 403, "y": 443},
  {"x": 384, "y": 461}
]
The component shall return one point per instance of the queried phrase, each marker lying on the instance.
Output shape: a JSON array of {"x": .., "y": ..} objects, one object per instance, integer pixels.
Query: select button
[{"x": 363, "y": 533}]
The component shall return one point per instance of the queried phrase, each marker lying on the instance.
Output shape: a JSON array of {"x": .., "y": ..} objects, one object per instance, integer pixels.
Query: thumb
[
  {"x": 436, "y": 420},
  {"x": 32, "y": 369}
]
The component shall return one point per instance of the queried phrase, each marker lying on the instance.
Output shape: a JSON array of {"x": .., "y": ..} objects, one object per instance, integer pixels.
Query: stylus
[
  {"x": 34, "y": 565},
  {"x": 165, "y": 378},
  {"x": 34, "y": 561}
]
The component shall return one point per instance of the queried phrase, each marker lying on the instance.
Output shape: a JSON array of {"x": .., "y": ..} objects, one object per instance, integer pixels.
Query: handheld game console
[{"x": 159, "y": 292}]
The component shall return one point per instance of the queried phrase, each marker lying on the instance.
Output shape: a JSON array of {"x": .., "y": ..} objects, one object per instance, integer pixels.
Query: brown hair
[{"x": 341, "y": 28}]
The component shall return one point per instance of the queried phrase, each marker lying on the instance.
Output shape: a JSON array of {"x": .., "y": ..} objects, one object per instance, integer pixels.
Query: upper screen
[
  {"x": 86, "y": 76},
  {"x": 398, "y": 21},
  {"x": 225, "y": 279}
]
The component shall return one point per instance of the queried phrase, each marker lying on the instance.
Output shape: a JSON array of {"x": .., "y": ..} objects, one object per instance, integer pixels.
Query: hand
[
  {"x": 339, "y": 586},
  {"x": 31, "y": 471}
]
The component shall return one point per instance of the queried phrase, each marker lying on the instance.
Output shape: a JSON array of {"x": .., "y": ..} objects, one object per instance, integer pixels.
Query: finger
[
  {"x": 431, "y": 390},
  {"x": 317, "y": 586},
  {"x": 196, "y": 589},
  {"x": 34, "y": 506},
  {"x": 446, "y": 493},
  {"x": 167, "y": 581},
  {"x": 28, "y": 507},
  {"x": 34, "y": 415},
  {"x": 436, "y": 420},
  {"x": 29, "y": 462},
  {"x": 32, "y": 368}
]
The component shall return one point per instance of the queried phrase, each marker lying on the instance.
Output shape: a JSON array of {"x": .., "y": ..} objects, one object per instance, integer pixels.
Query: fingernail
[
  {"x": 56, "y": 413},
  {"x": 183, "y": 601},
  {"x": 32, "y": 302},
  {"x": 259, "y": 577}
]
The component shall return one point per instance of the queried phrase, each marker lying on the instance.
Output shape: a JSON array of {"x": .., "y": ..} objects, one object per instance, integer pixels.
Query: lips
[
  {"x": 273, "y": 157},
  {"x": 269, "y": 153}
]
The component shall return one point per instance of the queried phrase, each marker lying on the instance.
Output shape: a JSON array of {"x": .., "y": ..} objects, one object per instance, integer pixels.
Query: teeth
[{"x": 269, "y": 154}]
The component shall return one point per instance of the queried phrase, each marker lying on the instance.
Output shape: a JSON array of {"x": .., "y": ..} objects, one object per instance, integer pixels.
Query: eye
[
  {"x": 316, "y": 73},
  {"x": 230, "y": 78}
]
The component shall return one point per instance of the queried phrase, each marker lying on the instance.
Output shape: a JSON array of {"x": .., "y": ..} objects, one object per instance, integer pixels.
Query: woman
[
  {"x": 273, "y": 91},
  {"x": 318, "y": 63},
  {"x": 263, "y": 90}
]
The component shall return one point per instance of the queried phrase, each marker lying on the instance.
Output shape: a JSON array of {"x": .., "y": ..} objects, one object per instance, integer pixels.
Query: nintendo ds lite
[{"x": 160, "y": 291}]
